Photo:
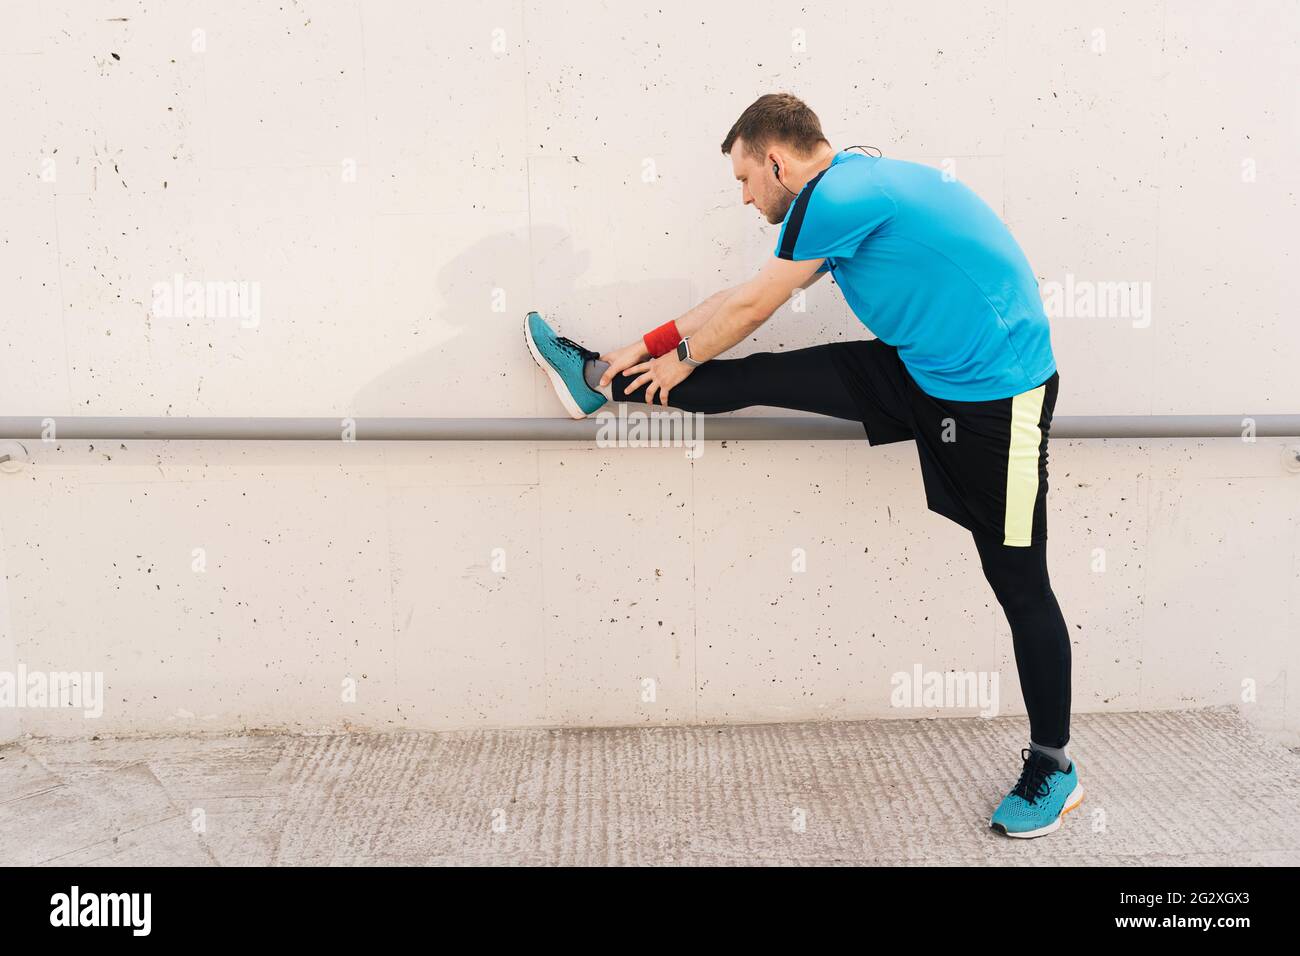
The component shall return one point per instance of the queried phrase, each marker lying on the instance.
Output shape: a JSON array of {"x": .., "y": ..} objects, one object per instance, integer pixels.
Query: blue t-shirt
[{"x": 929, "y": 268}]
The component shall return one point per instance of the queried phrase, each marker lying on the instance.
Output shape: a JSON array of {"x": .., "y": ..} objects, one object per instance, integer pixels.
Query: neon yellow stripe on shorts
[{"x": 1022, "y": 466}]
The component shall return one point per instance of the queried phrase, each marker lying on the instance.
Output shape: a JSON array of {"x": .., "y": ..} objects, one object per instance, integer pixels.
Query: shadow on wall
[{"x": 471, "y": 359}]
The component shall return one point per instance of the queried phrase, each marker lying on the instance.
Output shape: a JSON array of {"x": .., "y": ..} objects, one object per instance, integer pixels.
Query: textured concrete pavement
[{"x": 1189, "y": 788}]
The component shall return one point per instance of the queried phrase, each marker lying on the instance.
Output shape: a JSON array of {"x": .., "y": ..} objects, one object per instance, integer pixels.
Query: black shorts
[{"x": 984, "y": 464}]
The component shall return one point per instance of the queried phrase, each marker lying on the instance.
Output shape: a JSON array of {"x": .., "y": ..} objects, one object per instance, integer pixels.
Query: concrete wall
[{"x": 402, "y": 181}]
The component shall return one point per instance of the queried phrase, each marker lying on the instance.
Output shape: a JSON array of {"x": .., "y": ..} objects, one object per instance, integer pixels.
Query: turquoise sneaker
[
  {"x": 562, "y": 360},
  {"x": 1043, "y": 794}
]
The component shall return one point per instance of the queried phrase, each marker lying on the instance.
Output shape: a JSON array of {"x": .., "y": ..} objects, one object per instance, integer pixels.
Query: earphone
[{"x": 776, "y": 171}]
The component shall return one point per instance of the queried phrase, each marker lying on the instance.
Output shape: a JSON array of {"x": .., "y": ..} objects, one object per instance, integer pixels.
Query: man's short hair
[{"x": 776, "y": 118}]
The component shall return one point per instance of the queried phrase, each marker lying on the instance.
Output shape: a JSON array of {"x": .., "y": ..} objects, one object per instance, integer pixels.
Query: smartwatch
[{"x": 684, "y": 353}]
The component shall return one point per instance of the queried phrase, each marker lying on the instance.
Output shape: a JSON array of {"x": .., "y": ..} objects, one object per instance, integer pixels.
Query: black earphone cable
[{"x": 776, "y": 167}]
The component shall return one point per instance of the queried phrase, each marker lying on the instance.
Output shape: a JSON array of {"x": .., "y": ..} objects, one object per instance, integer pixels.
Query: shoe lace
[
  {"x": 571, "y": 346},
  {"x": 1032, "y": 784}
]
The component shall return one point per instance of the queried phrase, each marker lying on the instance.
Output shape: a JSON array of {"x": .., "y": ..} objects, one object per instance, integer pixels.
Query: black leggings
[
  {"x": 806, "y": 380},
  {"x": 809, "y": 380},
  {"x": 1038, "y": 634}
]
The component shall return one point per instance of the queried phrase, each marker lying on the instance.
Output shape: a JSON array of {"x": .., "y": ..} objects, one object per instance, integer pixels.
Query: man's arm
[
  {"x": 815, "y": 277},
  {"x": 750, "y": 304},
  {"x": 695, "y": 318}
]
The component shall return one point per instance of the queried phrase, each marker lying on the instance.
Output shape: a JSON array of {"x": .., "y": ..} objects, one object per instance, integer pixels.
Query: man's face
[{"x": 758, "y": 184}]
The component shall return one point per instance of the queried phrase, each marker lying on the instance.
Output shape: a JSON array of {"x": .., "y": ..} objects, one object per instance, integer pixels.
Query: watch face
[{"x": 681, "y": 349}]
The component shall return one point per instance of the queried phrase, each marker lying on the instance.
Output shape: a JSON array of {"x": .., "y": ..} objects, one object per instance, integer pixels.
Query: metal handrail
[{"x": 713, "y": 427}]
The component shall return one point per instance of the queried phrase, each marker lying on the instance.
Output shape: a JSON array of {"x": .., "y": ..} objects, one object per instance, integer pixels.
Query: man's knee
[{"x": 1018, "y": 575}]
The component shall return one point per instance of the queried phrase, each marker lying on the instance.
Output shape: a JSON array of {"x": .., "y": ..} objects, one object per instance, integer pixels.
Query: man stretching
[{"x": 962, "y": 365}]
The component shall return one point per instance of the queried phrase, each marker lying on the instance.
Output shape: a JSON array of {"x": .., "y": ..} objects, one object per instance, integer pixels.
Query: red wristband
[{"x": 662, "y": 340}]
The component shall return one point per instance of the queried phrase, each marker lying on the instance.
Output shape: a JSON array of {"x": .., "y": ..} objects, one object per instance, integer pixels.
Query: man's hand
[
  {"x": 619, "y": 359},
  {"x": 662, "y": 374}
]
